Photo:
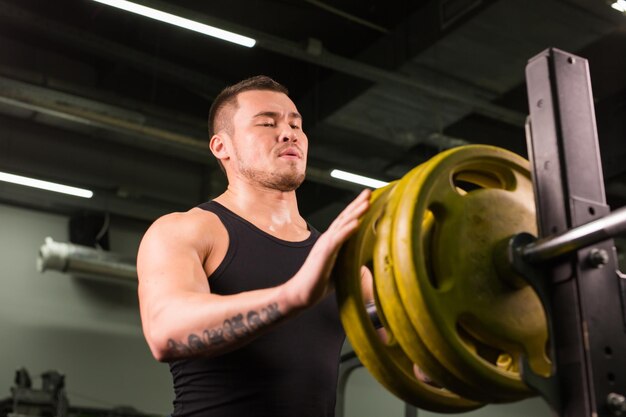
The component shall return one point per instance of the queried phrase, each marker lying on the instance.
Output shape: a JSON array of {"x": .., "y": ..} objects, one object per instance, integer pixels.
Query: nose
[{"x": 288, "y": 134}]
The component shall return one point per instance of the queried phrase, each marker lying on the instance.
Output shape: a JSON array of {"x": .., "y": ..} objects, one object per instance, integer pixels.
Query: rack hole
[
  {"x": 608, "y": 351},
  {"x": 611, "y": 377},
  {"x": 592, "y": 211}
]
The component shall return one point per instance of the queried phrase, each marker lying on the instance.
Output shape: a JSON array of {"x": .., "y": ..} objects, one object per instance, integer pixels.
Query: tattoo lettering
[
  {"x": 254, "y": 320},
  {"x": 177, "y": 349},
  {"x": 233, "y": 329},
  {"x": 215, "y": 337},
  {"x": 195, "y": 342},
  {"x": 271, "y": 313}
]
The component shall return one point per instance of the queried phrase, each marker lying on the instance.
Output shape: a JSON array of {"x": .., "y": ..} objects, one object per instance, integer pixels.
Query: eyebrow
[{"x": 275, "y": 115}]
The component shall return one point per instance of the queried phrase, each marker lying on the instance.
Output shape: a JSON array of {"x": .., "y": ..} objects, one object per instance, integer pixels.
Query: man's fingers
[
  {"x": 360, "y": 199},
  {"x": 347, "y": 222},
  {"x": 324, "y": 253},
  {"x": 354, "y": 210}
]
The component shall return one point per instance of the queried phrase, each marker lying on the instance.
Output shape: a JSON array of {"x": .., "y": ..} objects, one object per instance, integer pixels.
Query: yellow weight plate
[
  {"x": 397, "y": 317},
  {"x": 395, "y": 313},
  {"x": 385, "y": 360},
  {"x": 467, "y": 315}
]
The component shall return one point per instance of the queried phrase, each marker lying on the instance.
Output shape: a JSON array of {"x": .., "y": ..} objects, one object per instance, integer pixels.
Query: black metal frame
[{"x": 583, "y": 293}]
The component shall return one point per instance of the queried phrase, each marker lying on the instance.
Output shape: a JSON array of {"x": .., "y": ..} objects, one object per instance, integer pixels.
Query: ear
[{"x": 219, "y": 147}]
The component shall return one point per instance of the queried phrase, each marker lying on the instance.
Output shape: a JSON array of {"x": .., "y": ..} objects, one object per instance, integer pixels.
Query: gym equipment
[
  {"x": 385, "y": 359},
  {"x": 50, "y": 400},
  {"x": 85, "y": 261},
  {"x": 481, "y": 299},
  {"x": 423, "y": 276}
]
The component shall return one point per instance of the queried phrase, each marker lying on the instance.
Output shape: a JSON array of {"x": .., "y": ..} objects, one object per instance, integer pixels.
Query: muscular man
[{"x": 235, "y": 293}]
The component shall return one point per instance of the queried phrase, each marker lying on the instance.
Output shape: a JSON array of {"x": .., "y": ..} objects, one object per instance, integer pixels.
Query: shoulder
[
  {"x": 195, "y": 228},
  {"x": 192, "y": 221}
]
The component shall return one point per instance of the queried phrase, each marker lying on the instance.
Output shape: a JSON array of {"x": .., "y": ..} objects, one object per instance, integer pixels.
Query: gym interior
[{"x": 114, "y": 105}]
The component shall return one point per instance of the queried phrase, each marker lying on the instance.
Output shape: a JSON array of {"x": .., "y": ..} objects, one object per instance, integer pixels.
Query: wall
[{"x": 88, "y": 330}]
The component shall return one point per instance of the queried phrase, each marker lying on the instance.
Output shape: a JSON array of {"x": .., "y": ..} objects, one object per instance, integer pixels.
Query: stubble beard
[{"x": 280, "y": 181}]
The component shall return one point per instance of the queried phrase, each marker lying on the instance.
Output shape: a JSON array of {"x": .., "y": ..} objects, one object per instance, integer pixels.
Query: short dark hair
[{"x": 228, "y": 96}]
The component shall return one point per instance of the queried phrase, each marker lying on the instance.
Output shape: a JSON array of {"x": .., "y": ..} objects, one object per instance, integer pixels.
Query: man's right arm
[{"x": 181, "y": 317}]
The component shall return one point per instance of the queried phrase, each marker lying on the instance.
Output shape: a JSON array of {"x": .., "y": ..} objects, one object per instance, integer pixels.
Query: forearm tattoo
[{"x": 233, "y": 329}]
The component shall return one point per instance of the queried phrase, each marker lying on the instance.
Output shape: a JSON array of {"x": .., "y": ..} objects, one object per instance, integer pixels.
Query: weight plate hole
[
  {"x": 375, "y": 224},
  {"x": 490, "y": 354},
  {"x": 477, "y": 178},
  {"x": 464, "y": 187},
  {"x": 428, "y": 241}
]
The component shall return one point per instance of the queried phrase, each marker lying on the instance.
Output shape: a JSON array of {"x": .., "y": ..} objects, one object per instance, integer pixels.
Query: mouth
[{"x": 290, "y": 153}]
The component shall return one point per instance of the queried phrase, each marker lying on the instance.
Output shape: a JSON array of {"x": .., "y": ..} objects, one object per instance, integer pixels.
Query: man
[{"x": 235, "y": 293}]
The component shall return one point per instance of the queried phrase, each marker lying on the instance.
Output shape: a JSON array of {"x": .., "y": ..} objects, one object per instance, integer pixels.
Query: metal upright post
[{"x": 584, "y": 291}]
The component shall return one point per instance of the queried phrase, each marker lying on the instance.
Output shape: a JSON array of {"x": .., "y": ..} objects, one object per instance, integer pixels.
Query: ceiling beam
[
  {"x": 312, "y": 53},
  {"x": 130, "y": 128},
  {"x": 91, "y": 44}
]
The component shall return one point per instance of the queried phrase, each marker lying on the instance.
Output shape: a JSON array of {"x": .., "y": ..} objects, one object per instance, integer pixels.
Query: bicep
[{"x": 169, "y": 265}]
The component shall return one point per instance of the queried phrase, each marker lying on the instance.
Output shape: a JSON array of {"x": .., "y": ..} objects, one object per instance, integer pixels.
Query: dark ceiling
[{"x": 97, "y": 97}]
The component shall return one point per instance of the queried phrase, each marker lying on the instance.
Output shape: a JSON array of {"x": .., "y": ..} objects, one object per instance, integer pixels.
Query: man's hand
[{"x": 312, "y": 282}]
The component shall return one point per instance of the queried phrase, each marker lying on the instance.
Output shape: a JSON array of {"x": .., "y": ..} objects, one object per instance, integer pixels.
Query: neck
[{"x": 271, "y": 210}]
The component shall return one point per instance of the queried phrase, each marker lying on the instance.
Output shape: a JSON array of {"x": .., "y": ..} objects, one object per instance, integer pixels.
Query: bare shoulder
[
  {"x": 196, "y": 228},
  {"x": 186, "y": 225},
  {"x": 195, "y": 235}
]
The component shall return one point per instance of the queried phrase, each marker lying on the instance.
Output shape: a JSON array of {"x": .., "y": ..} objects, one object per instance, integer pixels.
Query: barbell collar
[{"x": 577, "y": 238}]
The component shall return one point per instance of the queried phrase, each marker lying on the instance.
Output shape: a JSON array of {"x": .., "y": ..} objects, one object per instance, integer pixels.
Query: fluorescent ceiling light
[
  {"x": 180, "y": 22},
  {"x": 357, "y": 179},
  {"x": 619, "y": 5},
  {"x": 45, "y": 185}
]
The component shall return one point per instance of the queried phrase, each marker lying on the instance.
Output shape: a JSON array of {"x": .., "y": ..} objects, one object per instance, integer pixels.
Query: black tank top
[{"x": 290, "y": 371}]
